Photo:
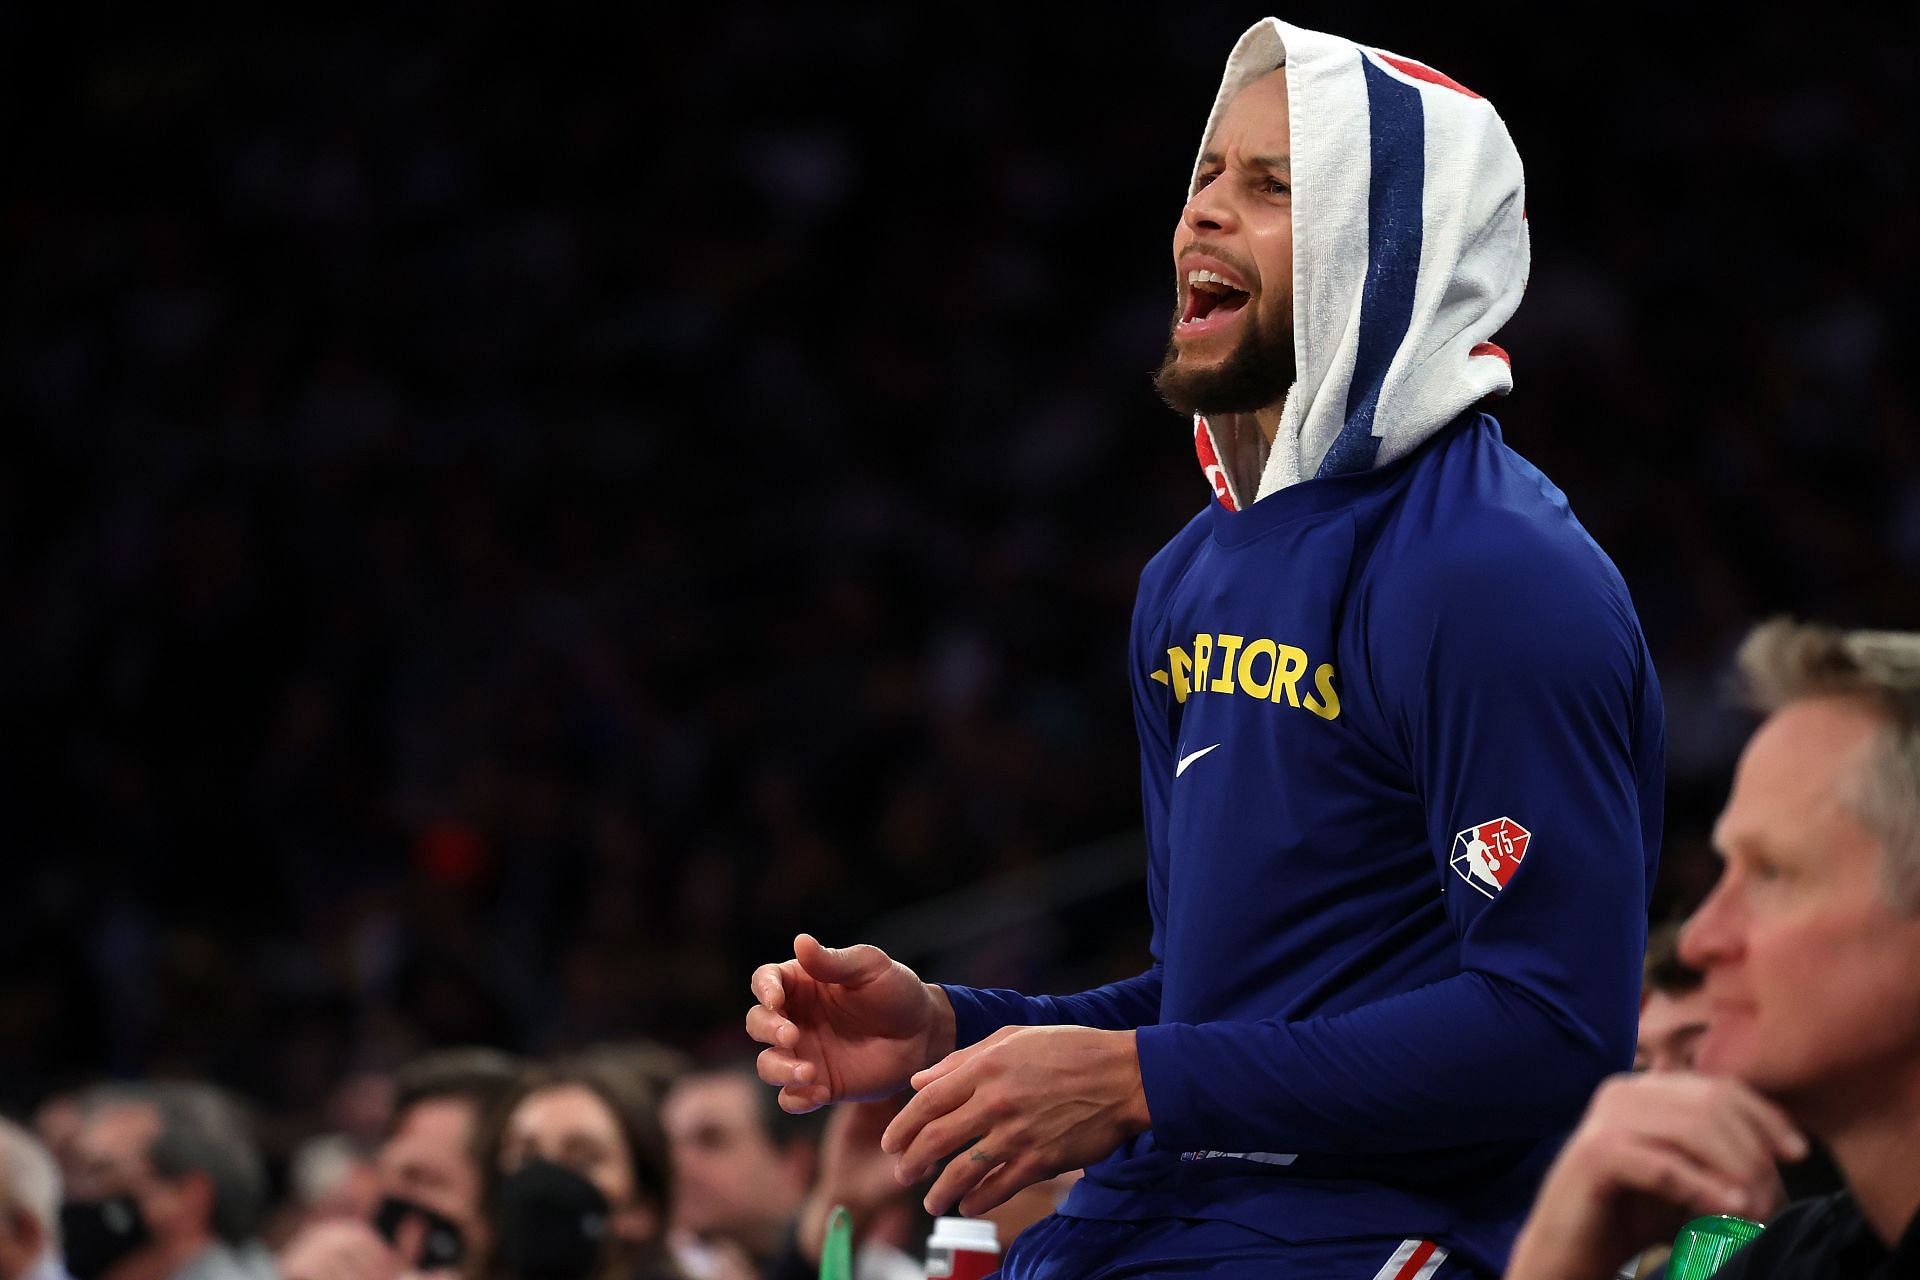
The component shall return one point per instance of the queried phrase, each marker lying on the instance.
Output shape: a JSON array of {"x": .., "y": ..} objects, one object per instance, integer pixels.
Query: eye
[
  {"x": 1275, "y": 187},
  {"x": 1205, "y": 179}
]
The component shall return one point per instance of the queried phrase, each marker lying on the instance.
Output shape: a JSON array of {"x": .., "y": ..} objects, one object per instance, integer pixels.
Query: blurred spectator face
[
  {"x": 111, "y": 1160},
  {"x": 571, "y": 1126},
  {"x": 729, "y": 1178},
  {"x": 429, "y": 1162},
  {"x": 1671, "y": 1024},
  {"x": 57, "y": 1123},
  {"x": 1810, "y": 973}
]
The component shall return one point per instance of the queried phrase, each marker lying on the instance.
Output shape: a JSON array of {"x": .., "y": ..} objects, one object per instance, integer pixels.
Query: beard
[{"x": 1257, "y": 373}]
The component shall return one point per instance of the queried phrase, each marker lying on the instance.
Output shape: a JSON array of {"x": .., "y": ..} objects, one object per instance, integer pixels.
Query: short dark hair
[
  {"x": 481, "y": 1076},
  {"x": 1665, "y": 972}
]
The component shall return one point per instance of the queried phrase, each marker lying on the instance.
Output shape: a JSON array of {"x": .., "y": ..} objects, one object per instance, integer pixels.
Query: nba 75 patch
[{"x": 1486, "y": 856}]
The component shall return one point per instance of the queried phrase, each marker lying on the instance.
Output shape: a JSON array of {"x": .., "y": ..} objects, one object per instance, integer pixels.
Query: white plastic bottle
[{"x": 962, "y": 1249}]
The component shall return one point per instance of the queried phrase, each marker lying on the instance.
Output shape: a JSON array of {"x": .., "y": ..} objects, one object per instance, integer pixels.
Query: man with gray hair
[
  {"x": 29, "y": 1208},
  {"x": 1810, "y": 944},
  {"x": 168, "y": 1185}
]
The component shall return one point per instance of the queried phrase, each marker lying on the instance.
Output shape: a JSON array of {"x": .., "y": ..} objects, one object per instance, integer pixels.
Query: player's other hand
[
  {"x": 1653, "y": 1151},
  {"x": 844, "y": 1023},
  {"x": 1033, "y": 1101}
]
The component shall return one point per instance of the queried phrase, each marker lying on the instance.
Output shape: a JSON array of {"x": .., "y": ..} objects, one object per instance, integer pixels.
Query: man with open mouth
[{"x": 1401, "y": 756}]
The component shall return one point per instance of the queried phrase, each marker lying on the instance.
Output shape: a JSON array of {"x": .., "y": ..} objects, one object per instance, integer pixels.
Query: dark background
[{"x": 507, "y": 514}]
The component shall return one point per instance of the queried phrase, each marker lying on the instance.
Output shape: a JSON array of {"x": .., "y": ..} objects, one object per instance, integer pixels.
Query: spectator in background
[
  {"x": 579, "y": 1183},
  {"x": 57, "y": 1122},
  {"x": 1673, "y": 1008},
  {"x": 1810, "y": 944},
  {"x": 29, "y": 1208},
  {"x": 168, "y": 1185},
  {"x": 428, "y": 1174},
  {"x": 741, "y": 1165}
]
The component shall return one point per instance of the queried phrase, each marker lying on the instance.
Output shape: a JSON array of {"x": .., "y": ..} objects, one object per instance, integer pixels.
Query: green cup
[{"x": 1704, "y": 1245}]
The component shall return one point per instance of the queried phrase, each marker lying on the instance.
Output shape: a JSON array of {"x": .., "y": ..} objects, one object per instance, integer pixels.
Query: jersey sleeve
[
  {"x": 1520, "y": 691},
  {"x": 1133, "y": 1002},
  {"x": 978, "y": 1012}
]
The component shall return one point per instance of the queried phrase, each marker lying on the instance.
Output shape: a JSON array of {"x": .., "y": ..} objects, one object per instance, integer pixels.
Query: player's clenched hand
[
  {"x": 1039, "y": 1101},
  {"x": 1653, "y": 1151},
  {"x": 844, "y": 1023}
]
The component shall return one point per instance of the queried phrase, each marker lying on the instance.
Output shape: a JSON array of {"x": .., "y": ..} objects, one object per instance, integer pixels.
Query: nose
[
  {"x": 1208, "y": 209},
  {"x": 1712, "y": 934}
]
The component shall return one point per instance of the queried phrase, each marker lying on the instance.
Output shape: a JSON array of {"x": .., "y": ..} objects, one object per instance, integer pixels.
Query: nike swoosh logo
[{"x": 1181, "y": 768}]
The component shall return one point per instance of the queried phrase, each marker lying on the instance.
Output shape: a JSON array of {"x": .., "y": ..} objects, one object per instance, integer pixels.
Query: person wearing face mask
[
  {"x": 168, "y": 1185},
  {"x": 579, "y": 1186},
  {"x": 429, "y": 1177},
  {"x": 29, "y": 1208}
]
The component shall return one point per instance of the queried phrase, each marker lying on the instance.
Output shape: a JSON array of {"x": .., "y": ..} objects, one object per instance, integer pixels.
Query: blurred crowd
[
  {"x": 623, "y": 1161},
  {"x": 506, "y": 518}
]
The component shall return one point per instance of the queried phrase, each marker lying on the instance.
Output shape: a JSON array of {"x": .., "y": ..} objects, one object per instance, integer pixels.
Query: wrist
[
  {"x": 1533, "y": 1260},
  {"x": 943, "y": 1032},
  {"x": 1135, "y": 1115},
  {"x": 1554, "y": 1246}
]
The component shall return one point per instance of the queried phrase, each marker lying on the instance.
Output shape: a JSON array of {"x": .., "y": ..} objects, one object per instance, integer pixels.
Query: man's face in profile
[
  {"x": 730, "y": 1177},
  {"x": 1812, "y": 978},
  {"x": 428, "y": 1161},
  {"x": 1231, "y": 350}
]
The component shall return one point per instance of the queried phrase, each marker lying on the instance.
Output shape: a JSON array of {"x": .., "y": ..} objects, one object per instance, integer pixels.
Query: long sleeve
[{"x": 1119, "y": 1006}]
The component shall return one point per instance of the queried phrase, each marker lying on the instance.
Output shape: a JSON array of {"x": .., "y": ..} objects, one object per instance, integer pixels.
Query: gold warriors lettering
[{"x": 1254, "y": 668}]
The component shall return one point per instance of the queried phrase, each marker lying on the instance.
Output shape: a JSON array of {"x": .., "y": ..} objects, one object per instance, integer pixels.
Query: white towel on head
[{"x": 1409, "y": 254}]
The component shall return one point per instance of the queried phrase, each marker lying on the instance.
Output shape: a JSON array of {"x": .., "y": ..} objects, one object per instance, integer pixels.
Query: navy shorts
[{"x": 1063, "y": 1248}]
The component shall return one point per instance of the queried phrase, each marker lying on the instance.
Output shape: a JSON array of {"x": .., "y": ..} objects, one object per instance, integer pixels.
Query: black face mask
[
  {"x": 95, "y": 1234},
  {"x": 441, "y": 1248},
  {"x": 551, "y": 1223}
]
